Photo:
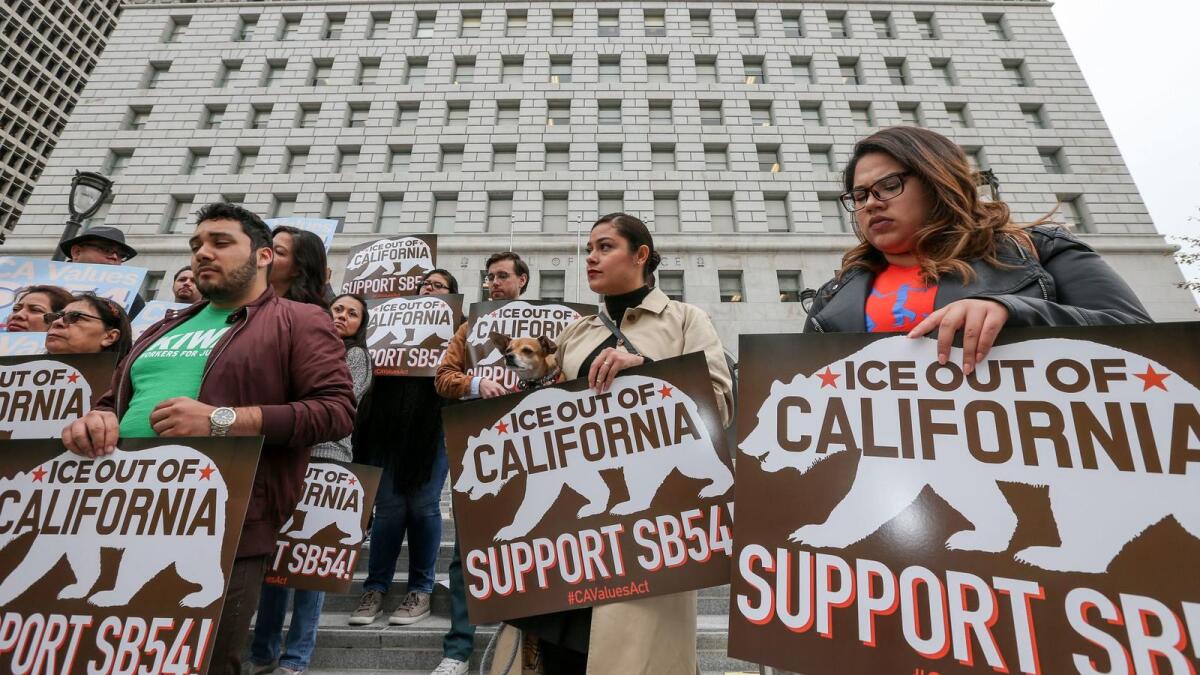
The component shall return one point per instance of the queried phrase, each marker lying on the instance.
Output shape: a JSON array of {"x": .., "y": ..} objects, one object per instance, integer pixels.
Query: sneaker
[
  {"x": 414, "y": 607},
  {"x": 369, "y": 609},
  {"x": 283, "y": 670},
  {"x": 261, "y": 669},
  {"x": 450, "y": 667}
]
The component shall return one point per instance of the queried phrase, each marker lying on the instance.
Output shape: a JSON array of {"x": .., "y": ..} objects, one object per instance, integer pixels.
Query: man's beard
[{"x": 230, "y": 286}]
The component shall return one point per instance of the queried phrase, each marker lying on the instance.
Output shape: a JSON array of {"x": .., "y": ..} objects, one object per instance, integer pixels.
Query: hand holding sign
[
  {"x": 181, "y": 416},
  {"x": 606, "y": 366},
  {"x": 93, "y": 435},
  {"x": 980, "y": 321}
]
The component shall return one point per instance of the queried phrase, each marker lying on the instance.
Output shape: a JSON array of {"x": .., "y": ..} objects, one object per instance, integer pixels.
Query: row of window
[
  {"x": 707, "y": 68},
  {"x": 561, "y": 113},
  {"x": 746, "y": 23}
]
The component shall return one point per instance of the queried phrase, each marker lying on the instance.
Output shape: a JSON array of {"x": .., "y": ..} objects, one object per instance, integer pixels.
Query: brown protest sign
[
  {"x": 115, "y": 564},
  {"x": 1037, "y": 516},
  {"x": 516, "y": 319},
  {"x": 390, "y": 267},
  {"x": 39, "y": 395},
  {"x": 568, "y": 499},
  {"x": 409, "y": 336},
  {"x": 320, "y": 543}
]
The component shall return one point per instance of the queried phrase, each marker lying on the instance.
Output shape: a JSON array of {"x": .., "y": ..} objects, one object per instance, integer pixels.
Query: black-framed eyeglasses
[
  {"x": 68, "y": 318},
  {"x": 107, "y": 249},
  {"x": 888, "y": 187},
  {"x": 434, "y": 285},
  {"x": 502, "y": 276}
]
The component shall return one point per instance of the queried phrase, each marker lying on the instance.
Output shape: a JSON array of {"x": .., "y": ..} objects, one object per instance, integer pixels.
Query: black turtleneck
[{"x": 617, "y": 304}]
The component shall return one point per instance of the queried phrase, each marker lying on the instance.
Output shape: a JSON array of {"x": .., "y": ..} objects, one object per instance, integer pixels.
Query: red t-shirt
[{"x": 899, "y": 300}]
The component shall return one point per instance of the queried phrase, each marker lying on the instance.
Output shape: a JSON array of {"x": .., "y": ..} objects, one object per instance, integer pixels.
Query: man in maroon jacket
[{"x": 245, "y": 363}]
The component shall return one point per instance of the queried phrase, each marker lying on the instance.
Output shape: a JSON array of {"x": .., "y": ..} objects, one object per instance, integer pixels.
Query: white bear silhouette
[
  {"x": 394, "y": 261},
  {"x": 1098, "y": 511},
  {"x": 644, "y": 472},
  {"x": 321, "y": 488},
  {"x": 45, "y": 409},
  {"x": 197, "y": 558},
  {"x": 410, "y": 335}
]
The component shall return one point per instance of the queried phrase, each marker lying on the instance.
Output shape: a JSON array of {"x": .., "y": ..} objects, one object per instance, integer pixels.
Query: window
[
  {"x": 1034, "y": 116},
  {"x": 379, "y": 25},
  {"x": 910, "y": 113},
  {"x": 368, "y": 72},
  {"x": 554, "y": 212},
  {"x": 197, "y": 159},
  {"x": 469, "y": 24},
  {"x": 445, "y": 212},
  {"x": 334, "y": 25},
  {"x": 245, "y": 27},
  {"x": 926, "y": 27},
  {"x": 848, "y": 68},
  {"x": 957, "y": 112},
  {"x": 508, "y": 113},
  {"x": 662, "y": 157},
  {"x": 416, "y": 70},
  {"x": 761, "y": 114},
  {"x": 260, "y": 116},
  {"x": 1014, "y": 72},
  {"x": 425, "y": 25},
  {"x": 897, "y": 71},
  {"x": 768, "y": 159},
  {"x": 457, "y": 113},
  {"x": 511, "y": 68},
  {"x": 562, "y": 23},
  {"x": 155, "y": 74},
  {"x": 226, "y": 72},
  {"x": 407, "y": 113},
  {"x": 391, "y": 210},
  {"x": 552, "y": 285},
  {"x": 884, "y": 30},
  {"x": 974, "y": 158},
  {"x": 861, "y": 114},
  {"x": 177, "y": 28},
  {"x": 716, "y": 158},
  {"x": 558, "y": 113},
  {"x": 838, "y": 27},
  {"x": 177, "y": 214},
  {"x": 560, "y": 69},
  {"x": 753, "y": 69},
  {"x": 398, "y": 158},
  {"x": 802, "y": 70},
  {"x": 609, "y": 68},
  {"x": 504, "y": 157},
  {"x": 322, "y": 70},
  {"x": 821, "y": 158},
  {"x": 710, "y": 113},
  {"x": 274, "y": 72},
  {"x": 746, "y": 24},
  {"x": 213, "y": 117},
  {"x": 996, "y": 26},
  {"x": 791, "y": 282},
  {"x": 943, "y": 71},
  {"x": 666, "y": 212},
  {"x": 778, "y": 218},
  {"x": 347, "y": 160},
  {"x": 608, "y": 157},
  {"x": 516, "y": 24},
  {"x": 309, "y": 114},
  {"x": 118, "y": 161},
  {"x": 138, "y": 116},
  {"x": 832, "y": 215},
  {"x": 283, "y": 206},
  {"x": 660, "y": 112},
  {"x": 720, "y": 209},
  {"x": 451, "y": 158},
  {"x": 608, "y": 24},
  {"x": 701, "y": 23},
  {"x": 655, "y": 22},
  {"x": 730, "y": 285},
  {"x": 670, "y": 282},
  {"x": 244, "y": 160},
  {"x": 290, "y": 27},
  {"x": 610, "y": 202},
  {"x": 658, "y": 68},
  {"x": 335, "y": 206},
  {"x": 608, "y": 113},
  {"x": 1071, "y": 214},
  {"x": 706, "y": 68},
  {"x": 812, "y": 115},
  {"x": 499, "y": 213},
  {"x": 357, "y": 115},
  {"x": 793, "y": 25},
  {"x": 297, "y": 160},
  {"x": 1052, "y": 160}
]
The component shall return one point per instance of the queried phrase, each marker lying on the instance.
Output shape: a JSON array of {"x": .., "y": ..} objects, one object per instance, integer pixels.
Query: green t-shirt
[{"x": 172, "y": 366}]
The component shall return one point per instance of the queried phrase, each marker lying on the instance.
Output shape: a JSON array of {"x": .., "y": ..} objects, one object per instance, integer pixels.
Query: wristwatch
[{"x": 221, "y": 420}]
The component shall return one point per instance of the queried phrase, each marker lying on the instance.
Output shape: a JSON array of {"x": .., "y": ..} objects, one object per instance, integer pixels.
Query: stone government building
[{"x": 722, "y": 124}]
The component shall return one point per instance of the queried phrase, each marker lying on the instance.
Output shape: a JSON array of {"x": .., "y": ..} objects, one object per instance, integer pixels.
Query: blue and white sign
[
  {"x": 152, "y": 313},
  {"x": 22, "y": 344},
  {"x": 324, "y": 228},
  {"x": 118, "y": 283}
]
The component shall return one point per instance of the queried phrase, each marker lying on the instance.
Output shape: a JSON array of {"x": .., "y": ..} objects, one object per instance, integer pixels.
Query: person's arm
[
  {"x": 699, "y": 335},
  {"x": 452, "y": 381}
]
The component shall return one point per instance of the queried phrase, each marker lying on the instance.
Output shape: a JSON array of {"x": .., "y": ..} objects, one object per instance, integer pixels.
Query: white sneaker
[{"x": 450, "y": 667}]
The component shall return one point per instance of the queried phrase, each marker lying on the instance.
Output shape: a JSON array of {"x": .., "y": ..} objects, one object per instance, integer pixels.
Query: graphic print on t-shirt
[{"x": 899, "y": 300}]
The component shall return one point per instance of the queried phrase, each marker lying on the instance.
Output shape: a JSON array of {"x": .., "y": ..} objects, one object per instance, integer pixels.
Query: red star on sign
[
  {"x": 828, "y": 378},
  {"x": 665, "y": 392},
  {"x": 72, "y": 377},
  {"x": 502, "y": 428},
  {"x": 38, "y": 474},
  {"x": 207, "y": 472},
  {"x": 1150, "y": 378},
  {"x": 354, "y": 481}
]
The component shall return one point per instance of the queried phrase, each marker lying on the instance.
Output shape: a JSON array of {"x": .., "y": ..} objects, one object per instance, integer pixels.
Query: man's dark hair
[
  {"x": 519, "y": 266},
  {"x": 181, "y": 270},
  {"x": 252, "y": 225}
]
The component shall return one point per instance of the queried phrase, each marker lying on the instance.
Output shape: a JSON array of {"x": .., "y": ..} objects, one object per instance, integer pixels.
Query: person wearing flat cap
[{"x": 102, "y": 245}]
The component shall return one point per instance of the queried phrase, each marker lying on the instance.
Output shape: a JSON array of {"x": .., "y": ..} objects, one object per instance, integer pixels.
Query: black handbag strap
[{"x": 621, "y": 340}]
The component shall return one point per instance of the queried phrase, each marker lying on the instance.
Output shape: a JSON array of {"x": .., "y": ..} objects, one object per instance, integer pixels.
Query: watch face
[{"x": 223, "y": 417}]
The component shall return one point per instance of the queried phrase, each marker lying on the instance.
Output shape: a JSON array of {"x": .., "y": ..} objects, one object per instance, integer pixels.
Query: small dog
[{"x": 533, "y": 360}]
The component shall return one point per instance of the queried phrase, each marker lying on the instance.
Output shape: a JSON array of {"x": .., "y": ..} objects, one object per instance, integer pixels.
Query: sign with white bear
[
  {"x": 320, "y": 544},
  {"x": 389, "y": 267},
  {"x": 119, "y": 563},
  {"x": 409, "y": 336},
  {"x": 39, "y": 395},
  {"x": 1039, "y": 515},
  {"x": 565, "y": 498},
  {"x": 516, "y": 319}
]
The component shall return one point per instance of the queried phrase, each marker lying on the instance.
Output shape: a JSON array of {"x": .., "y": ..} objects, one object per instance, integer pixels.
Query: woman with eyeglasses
[
  {"x": 32, "y": 304},
  {"x": 933, "y": 256},
  {"x": 87, "y": 325}
]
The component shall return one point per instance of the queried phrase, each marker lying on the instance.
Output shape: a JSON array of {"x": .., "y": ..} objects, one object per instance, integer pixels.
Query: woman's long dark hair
[
  {"x": 113, "y": 316},
  {"x": 359, "y": 339},
  {"x": 449, "y": 277},
  {"x": 637, "y": 234},
  {"x": 310, "y": 263}
]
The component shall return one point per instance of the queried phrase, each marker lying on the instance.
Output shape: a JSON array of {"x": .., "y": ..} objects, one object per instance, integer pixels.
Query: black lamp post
[{"x": 88, "y": 192}]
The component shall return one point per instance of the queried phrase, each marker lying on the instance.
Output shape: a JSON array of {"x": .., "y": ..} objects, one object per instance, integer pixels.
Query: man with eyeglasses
[
  {"x": 506, "y": 279},
  {"x": 102, "y": 245}
]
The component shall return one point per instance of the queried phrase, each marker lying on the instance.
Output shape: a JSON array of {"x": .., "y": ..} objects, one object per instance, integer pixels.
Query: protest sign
[
  {"x": 324, "y": 228},
  {"x": 39, "y": 395},
  {"x": 391, "y": 267},
  {"x": 648, "y": 507},
  {"x": 409, "y": 336},
  {"x": 22, "y": 344},
  {"x": 152, "y": 313},
  {"x": 319, "y": 545},
  {"x": 1038, "y": 515},
  {"x": 516, "y": 319},
  {"x": 119, "y": 283},
  {"x": 120, "y": 563}
]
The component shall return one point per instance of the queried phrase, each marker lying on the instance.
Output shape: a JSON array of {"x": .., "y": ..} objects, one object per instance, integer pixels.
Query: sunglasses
[{"x": 68, "y": 318}]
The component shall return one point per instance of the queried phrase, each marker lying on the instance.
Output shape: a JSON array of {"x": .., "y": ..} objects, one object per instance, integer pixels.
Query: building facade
[
  {"x": 50, "y": 48},
  {"x": 514, "y": 124}
]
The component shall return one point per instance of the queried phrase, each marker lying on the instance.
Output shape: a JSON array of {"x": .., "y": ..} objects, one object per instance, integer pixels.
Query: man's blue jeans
[{"x": 302, "y": 634}]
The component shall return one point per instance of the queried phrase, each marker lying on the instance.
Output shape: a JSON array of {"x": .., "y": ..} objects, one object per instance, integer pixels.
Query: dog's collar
[{"x": 548, "y": 379}]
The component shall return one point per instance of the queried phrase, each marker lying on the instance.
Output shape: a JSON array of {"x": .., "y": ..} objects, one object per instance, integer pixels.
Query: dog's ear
[
  {"x": 547, "y": 344},
  {"x": 500, "y": 340}
]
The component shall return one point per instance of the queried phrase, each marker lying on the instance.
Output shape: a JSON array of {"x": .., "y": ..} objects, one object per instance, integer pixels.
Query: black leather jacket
[{"x": 1067, "y": 284}]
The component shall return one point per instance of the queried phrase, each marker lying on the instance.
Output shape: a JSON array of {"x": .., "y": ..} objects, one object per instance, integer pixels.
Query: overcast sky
[{"x": 1142, "y": 62}]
